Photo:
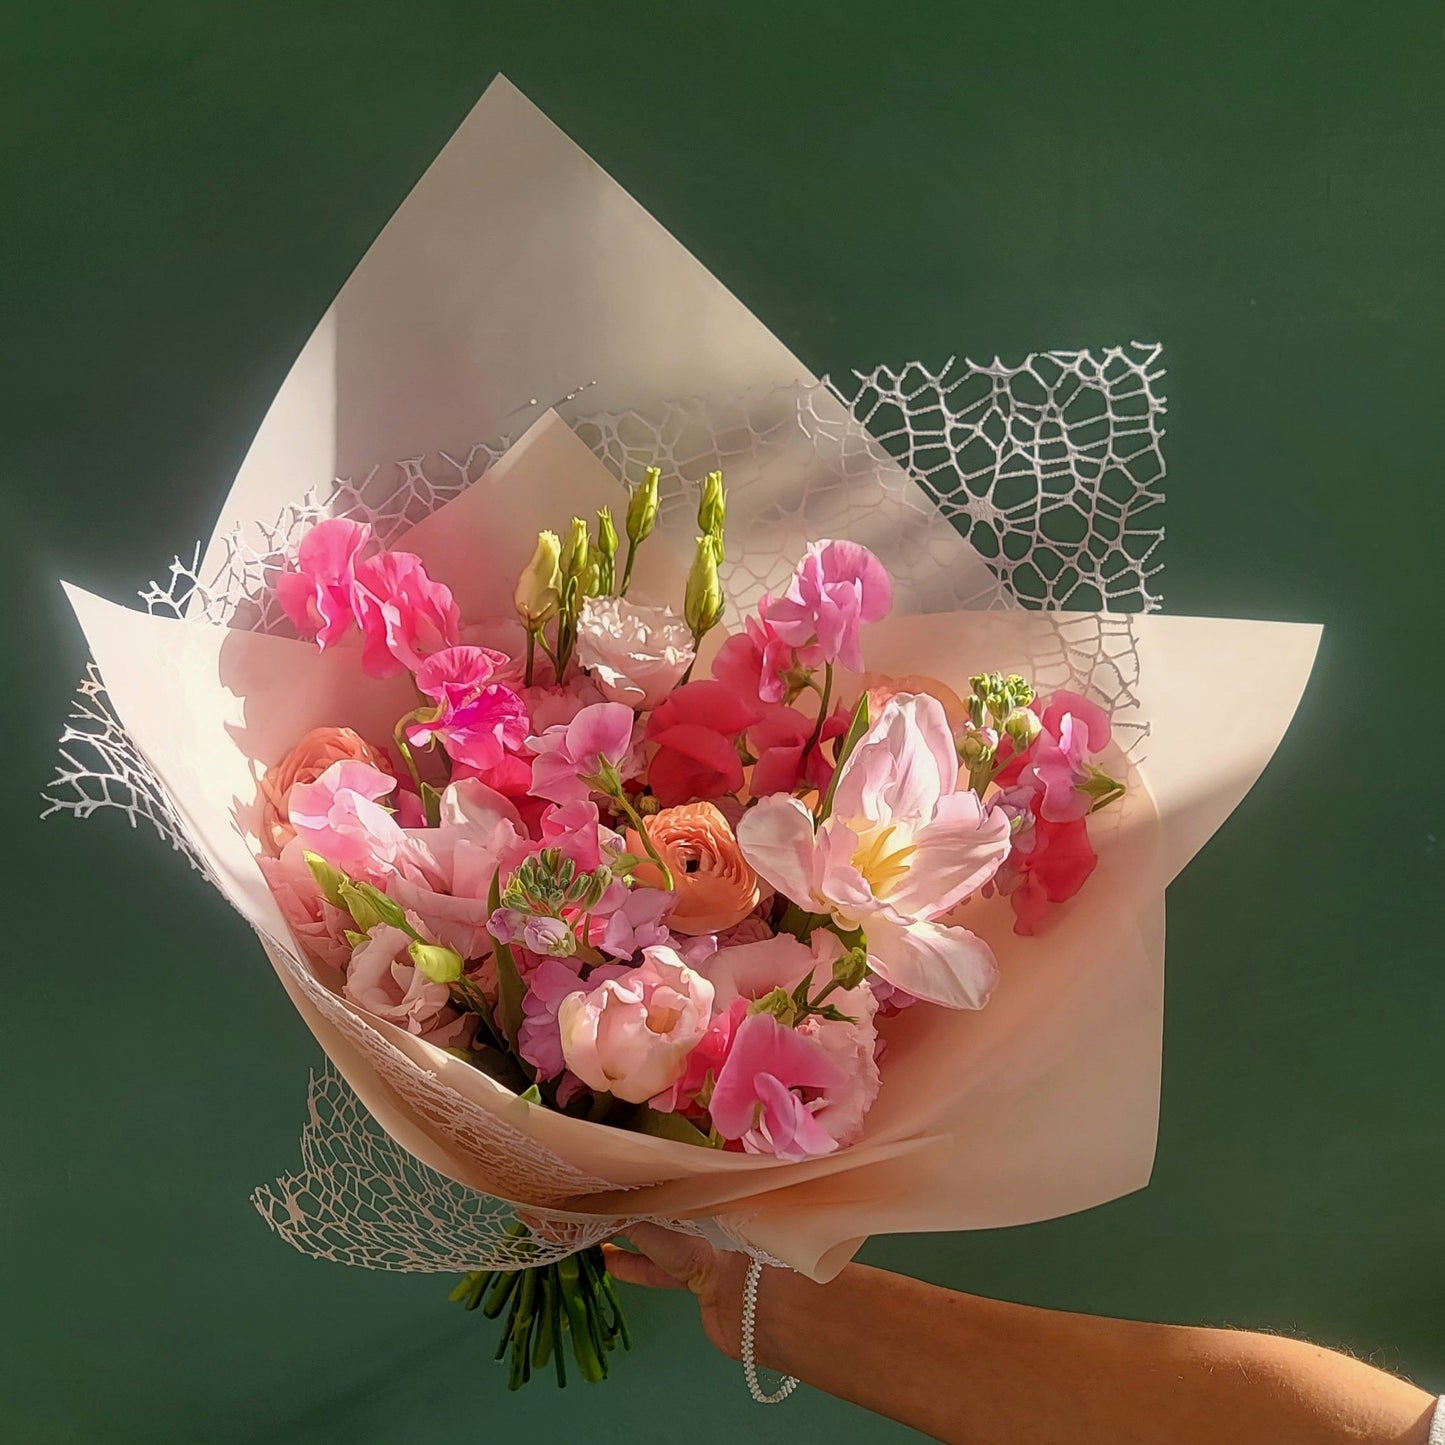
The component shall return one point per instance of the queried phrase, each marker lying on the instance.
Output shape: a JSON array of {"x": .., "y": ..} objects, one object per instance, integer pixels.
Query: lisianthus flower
[
  {"x": 382, "y": 980},
  {"x": 713, "y": 885},
  {"x": 755, "y": 662},
  {"x": 319, "y": 927},
  {"x": 318, "y": 595},
  {"x": 900, "y": 848},
  {"x": 569, "y": 755},
  {"x": 631, "y": 1035},
  {"x": 637, "y": 654},
  {"x": 479, "y": 722},
  {"x": 769, "y": 1088},
  {"x": 696, "y": 731},
  {"x": 317, "y": 751},
  {"x": 779, "y": 739},
  {"x": 638, "y": 922},
  {"x": 836, "y": 587},
  {"x": 403, "y": 614},
  {"x": 339, "y": 817}
]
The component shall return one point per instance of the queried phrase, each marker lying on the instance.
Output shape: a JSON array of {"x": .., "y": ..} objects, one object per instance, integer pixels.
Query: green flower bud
[
  {"x": 850, "y": 970},
  {"x": 1019, "y": 690},
  {"x": 606, "y": 554},
  {"x": 703, "y": 602},
  {"x": 712, "y": 505},
  {"x": 642, "y": 509},
  {"x": 328, "y": 879},
  {"x": 977, "y": 746},
  {"x": 576, "y": 550},
  {"x": 1023, "y": 727},
  {"x": 438, "y": 962},
  {"x": 369, "y": 906},
  {"x": 780, "y": 1003},
  {"x": 538, "y": 596},
  {"x": 647, "y": 805},
  {"x": 975, "y": 710}
]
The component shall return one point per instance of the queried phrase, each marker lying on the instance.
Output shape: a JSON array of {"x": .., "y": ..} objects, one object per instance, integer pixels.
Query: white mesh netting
[{"x": 1051, "y": 470}]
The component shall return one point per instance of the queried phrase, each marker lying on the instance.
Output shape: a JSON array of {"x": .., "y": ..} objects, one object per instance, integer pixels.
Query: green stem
[
  {"x": 627, "y": 568},
  {"x": 620, "y": 798},
  {"x": 825, "y": 697},
  {"x": 398, "y": 736},
  {"x": 531, "y": 656}
]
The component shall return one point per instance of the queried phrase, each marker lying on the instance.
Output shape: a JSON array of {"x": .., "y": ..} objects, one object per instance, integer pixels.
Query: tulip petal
[
  {"x": 953, "y": 857},
  {"x": 776, "y": 836},
  {"x": 947, "y": 966}
]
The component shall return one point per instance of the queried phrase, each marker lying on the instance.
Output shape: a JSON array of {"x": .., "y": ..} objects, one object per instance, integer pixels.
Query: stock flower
[
  {"x": 306, "y": 762},
  {"x": 899, "y": 849},
  {"x": 636, "y": 654},
  {"x": 479, "y": 721},
  {"x": 320, "y": 927},
  {"x": 696, "y": 731},
  {"x": 568, "y": 756},
  {"x": 318, "y": 595},
  {"x": 779, "y": 739},
  {"x": 339, "y": 817},
  {"x": 637, "y": 923},
  {"x": 538, "y": 1040},
  {"x": 631, "y": 1035},
  {"x": 549, "y": 937},
  {"x": 713, "y": 884},
  {"x": 755, "y": 662},
  {"x": 403, "y": 614},
  {"x": 768, "y": 1090},
  {"x": 836, "y": 588},
  {"x": 382, "y": 979}
]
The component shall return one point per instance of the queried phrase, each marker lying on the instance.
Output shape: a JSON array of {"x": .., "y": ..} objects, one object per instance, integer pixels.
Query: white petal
[
  {"x": 776, "y": 836},
  {"x": 954, "y": 856},
  {"x": 948, "y": 966}
]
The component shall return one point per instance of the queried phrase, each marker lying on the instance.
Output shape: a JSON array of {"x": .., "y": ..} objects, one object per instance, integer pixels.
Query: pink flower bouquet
[{"x": 656, "y": 850}]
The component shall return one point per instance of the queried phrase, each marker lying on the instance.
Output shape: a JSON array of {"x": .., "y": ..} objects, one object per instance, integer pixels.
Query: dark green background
[{"x": 1259, "y": 187}]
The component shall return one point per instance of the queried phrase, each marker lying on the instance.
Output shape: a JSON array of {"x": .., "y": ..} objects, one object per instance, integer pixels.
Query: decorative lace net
[{"x": 1052, "y": 470}]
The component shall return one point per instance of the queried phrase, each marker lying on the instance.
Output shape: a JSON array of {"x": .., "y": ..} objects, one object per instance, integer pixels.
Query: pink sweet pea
[
  {"x": 1073, "y": 729},
  {"x": 317, "y": 597},
  {"x": 696, "y": 732},
  {"x": 403, "y": 614},
  {"x": 478, "y": 722},
  {"x": 631, "y": 1036},
  {"x": 769, "y": 1088},
  {"x": 836, "y": 588},
  {"x": 899, "y": 849},
  {"x": 576, "y": 831},
  {"x": 338, "y": 816},
  {"x": 569, "y": 755},
  {"x": 704, "y": 1062},
  {"x": 778, "y": 739},
  {"x": 755, "y": 662},
  {"x": 1050, "y": 862}
]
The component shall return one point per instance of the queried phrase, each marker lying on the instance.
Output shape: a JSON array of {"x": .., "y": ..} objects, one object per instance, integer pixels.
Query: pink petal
[
  {"x": 947, "y": 966},
  {"x": 954, "y": 856},
  {"x": 776, "y": 836}
]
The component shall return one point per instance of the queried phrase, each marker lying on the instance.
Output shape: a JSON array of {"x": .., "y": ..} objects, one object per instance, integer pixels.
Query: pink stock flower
[
  {"x": 755, "y": 662},
  {"x": 317, "y": 597},
  {"x": 538, "y": 1040},
  {"x": 568, "y": 756},
  {"x": 382, "y": 979},
  {"x": 638, "y": 923},
  {"x": 479, "y": 722},
  {"x": 403, "y": 614},
  {"x": 338, "y": 816},
  {"x": 836, "y": 588},
  {"x": 637, "y": 654},
  {"x": 778, "y": 741},
  {"x": 770, "y": 1087},
  {"x": 899, "y": 849},
  {"x": 696, "y": 732},
  {"x": 631, "y": 1035},
  {"x": 319, "y": 927}
]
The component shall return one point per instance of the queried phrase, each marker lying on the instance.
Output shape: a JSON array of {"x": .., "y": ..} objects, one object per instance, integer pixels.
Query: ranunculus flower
[
  {"x": 319, "y": 595},
  {"x": 696, "y": 732},
  {"x": 631, "y": 1035},
  {"x": 306, "y": 762},
  {"x": 320, "y": 927},
  {"x": 900, "y": 848},
  {"x": 403, "y": 614},
  {"x": 479, "y": 721},
  {"x": 778, "y": 740},
  {"x": 338, "y": 816},
  {"x": 568, "y": 755},
  {"x": 836, "y": 587},
  {"x": 714, "y": 885},
  {"x": 382, "y": 979},
  {"x": 637, "y": 654},
  {"x": 755, "y": 662}
]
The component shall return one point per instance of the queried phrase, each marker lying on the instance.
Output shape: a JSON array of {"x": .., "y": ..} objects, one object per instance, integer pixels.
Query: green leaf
[
  {"x": 667, "y": 1126},
  {"x": 431, "y": 802},
  {"x": 531, "y": 1095},
  {"x": 509, "y": 982},
  {"x": 328, "y": 879}
]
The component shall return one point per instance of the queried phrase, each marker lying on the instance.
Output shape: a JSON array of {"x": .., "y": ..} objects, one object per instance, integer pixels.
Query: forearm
[{"x": 972, "y": 1371}]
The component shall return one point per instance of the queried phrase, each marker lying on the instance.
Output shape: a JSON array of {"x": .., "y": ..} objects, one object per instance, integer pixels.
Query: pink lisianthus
[
  {"x": 382, "y": 979},
  {"x": 900, "y": 848},
  {"x": 768, "y": 1091},
  {"x": 779, "y": 739},
  {"x": 478, "y": 721},
  {"x": 638, "y": 923},
  {"x": 631, "y": 1035},
  {"x": 339, "y": 817},
  {"x": 403, "y": 614},
  {"x": 567, "y": 757},
  {"x": 755, "y": 662},
  {"x": 636, "y": 654},
  {"x": 319, "y": 927},
  {"x": 836, "y": 588},
  {"x": 318, "y": 595},
  {"x": 695, "y": 732}
]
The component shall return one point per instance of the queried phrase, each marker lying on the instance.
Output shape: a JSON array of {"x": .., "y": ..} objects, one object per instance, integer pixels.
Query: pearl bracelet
[{"x": 750, "y": 1359}]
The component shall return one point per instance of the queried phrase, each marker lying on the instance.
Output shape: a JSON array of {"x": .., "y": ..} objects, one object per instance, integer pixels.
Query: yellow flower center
[{"x": 883, "y": 855}]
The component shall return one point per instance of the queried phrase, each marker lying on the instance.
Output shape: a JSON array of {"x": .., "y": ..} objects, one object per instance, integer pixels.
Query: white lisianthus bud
[{"x": 538, "y": 595}]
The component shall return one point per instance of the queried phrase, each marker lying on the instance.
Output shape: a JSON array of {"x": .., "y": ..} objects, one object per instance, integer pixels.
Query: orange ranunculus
[
  {"x": 715, "y": 886},
  {"x": 304, "y": 764}
]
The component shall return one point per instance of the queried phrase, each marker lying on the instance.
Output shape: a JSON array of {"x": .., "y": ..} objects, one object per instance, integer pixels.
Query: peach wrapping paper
[{"x": 514, "y": 273}]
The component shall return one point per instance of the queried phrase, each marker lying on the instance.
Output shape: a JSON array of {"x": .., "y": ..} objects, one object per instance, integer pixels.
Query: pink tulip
[
  {"x": 836, "y": 588},
  {"x": 317, "y": 597}
]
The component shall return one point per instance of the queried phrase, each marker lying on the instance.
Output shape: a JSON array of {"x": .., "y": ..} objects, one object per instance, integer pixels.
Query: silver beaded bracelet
[{"x": 750, "y": 1359}]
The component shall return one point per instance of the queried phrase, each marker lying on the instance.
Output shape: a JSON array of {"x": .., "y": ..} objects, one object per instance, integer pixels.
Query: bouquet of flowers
[{"x": 641, "y": 847}]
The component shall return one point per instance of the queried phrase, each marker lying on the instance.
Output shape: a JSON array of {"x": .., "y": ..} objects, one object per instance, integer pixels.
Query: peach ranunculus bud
[
  {"x": 715, "y": 885},
  {"x": 880, "y": 686},
  {"x": 306, "y": 762}
]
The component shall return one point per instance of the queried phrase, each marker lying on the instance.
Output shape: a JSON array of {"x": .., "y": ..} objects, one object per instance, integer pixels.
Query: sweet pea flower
[
  {"x": 696, "y": 731},
  {"x": 770, "y": 1087},
  {"x": 317, "y": 751},
  {"x": 637, "y": 654},
  {"x": 899, "y": 849},
  {"x": 569, "y": 756},
  {"x": 755, "y": 662},
  {"x": 339, "y": 817},
  {"x": 1073, "y": 729},
  {"x": 631, "y": 1035},
  {"x": 778, "y": 740},
  {"x": 705, "y": 1061},
  {"x": 836, "y": 587},
  {"x": 479, "y": 722},
  {"x": 382, "y": 980},
  {"x": 577, "y": 832},
  {"x": 403, "y": 614},
  {"x": 638, "y": 923},
  {"x": 318, "y": 595}
]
